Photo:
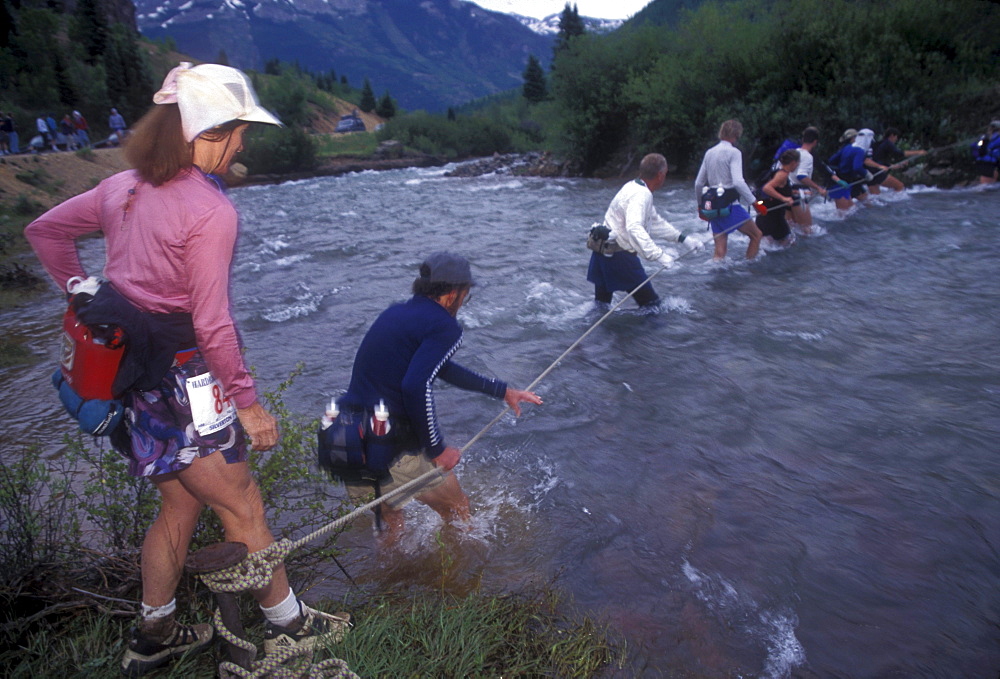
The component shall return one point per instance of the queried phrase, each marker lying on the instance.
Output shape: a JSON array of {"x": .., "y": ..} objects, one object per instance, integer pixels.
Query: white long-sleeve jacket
[
  {"x": 723, "y": 166},
  {"x": 634, "y": 222}
]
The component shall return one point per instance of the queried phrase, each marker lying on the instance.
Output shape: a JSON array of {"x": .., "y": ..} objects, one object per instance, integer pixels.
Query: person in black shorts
[{"x": 778, "y": 200}]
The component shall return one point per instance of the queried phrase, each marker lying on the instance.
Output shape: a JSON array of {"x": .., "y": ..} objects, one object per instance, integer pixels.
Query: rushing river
[{"x": 793, "y": 469}]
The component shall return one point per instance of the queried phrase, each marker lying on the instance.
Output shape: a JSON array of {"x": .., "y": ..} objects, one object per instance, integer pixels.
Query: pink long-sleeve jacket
[{"x": 169, "y": 249}]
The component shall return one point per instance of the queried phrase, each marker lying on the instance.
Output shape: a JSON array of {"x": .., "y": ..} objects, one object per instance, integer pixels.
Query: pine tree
[
  {"x": 386, "y": 107},
  {"x": 223, "y": 58},
  {"x": 534, "y": 89},
  {"x": 90, "y": 29},
  {"x": 570, "y": 26},
  {"x": 367, "y": 103},
  {"x": 35, "y": 54}
]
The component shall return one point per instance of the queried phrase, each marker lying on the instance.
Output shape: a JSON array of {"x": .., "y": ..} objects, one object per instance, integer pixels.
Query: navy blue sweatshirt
[{"x": 408, "y": 346}]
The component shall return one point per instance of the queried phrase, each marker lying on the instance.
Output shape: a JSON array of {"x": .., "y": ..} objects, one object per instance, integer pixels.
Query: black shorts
[
  {"x": 774, "y": 224},
  {"x": 878, "y": 177}
]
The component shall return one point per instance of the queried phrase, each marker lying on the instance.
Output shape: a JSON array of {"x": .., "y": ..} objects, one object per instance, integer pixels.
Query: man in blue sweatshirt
[{"x": 407, "y": 347}]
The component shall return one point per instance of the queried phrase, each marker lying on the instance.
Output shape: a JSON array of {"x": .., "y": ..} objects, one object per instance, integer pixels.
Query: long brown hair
[{"x": 156, "y": 148}]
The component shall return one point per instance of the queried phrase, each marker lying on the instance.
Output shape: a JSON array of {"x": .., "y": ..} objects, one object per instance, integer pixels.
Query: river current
[{"x": 791, "y": 470}]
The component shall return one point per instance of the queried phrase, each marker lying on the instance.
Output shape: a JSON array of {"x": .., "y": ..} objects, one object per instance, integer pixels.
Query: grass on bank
[
  {"x": 427, "y": 634},
  {"x": 355, "y": 144}
]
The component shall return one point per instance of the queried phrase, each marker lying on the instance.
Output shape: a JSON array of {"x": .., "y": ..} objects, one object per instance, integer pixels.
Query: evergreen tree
[
  {"x": 570, "y": 26},
  {"x": 386, "y": 107},
  {"x": 451, "y": 114},
  {"x": 534, "y": 89},
  {"x": 90, "y": 29},
  {"x": 7, "y": 25},
  {"x": 223, "y": 58},
  {"x": 35, "y": 52},
  {"x": 67, "y": 93},
  {"x": 343, "y": 80},
  {"x": 367, "y": 103},
  {"x": 139, "y": 82}
]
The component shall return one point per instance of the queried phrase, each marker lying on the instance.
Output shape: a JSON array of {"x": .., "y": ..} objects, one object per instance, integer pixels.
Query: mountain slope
[{"x": 429, "y": 54}]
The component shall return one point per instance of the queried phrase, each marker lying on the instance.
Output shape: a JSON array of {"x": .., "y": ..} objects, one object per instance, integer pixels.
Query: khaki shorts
[{"x": 408, "y": 467}]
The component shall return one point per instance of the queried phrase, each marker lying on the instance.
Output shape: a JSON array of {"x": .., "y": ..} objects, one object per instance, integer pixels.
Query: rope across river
[
  {"x": 276, "y": 552},
  {"x": 255, "y": 571}
]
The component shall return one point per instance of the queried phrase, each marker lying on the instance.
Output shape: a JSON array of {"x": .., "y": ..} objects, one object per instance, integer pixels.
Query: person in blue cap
[{"x": 408, "y": 347}]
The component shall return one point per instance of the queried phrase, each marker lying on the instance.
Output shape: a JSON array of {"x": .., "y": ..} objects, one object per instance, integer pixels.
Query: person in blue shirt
[
  {"x": 407, "y": 348},
  {"x": 849, "y": 164},
  {"x": 986, "y": 153}
]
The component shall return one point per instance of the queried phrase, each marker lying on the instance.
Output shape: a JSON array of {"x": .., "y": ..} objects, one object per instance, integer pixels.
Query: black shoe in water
[{"x": 146, "y": 653}]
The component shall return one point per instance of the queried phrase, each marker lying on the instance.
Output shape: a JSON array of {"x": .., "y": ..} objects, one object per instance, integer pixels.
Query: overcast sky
[{"x": 600, "y": 9}]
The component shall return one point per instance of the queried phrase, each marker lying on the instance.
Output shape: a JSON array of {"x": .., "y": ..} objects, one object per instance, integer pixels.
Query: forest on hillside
[
  {"x": 663, "y": 82},
  {"x": 927, "y": 67},
  {"x": 53, "y": 61}
]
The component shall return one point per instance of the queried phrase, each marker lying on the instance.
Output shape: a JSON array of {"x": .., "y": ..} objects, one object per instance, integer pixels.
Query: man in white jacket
[{"x": 633, "y": 221}]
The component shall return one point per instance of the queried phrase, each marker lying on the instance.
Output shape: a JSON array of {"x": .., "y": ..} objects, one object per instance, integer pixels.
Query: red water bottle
[
  {"x": 380, "y": 419},
  {"x": 90, "y": 354}
]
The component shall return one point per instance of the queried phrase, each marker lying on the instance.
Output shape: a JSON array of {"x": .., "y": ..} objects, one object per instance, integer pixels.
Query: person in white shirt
[
  {"x": 633, "y": 221},
  {"x": 803, "y": 181},
  {"x": 722, "y": 172}
]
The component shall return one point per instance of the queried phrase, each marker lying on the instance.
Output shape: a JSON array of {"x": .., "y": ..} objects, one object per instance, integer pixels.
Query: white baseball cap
[{"x": 209, "y": 95}]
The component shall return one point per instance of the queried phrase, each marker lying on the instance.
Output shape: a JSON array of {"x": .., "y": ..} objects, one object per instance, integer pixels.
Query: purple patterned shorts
[{"x": 161, "y": 430}]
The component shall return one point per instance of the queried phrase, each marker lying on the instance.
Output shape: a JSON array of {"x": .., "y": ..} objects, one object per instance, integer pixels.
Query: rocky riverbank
[
  {"x": 40, "y": 181},
  {"x": 533, "y": 164}
]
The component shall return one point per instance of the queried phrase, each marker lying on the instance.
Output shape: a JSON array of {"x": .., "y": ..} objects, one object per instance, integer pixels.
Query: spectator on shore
[
  {"x": 9, "y": 127},
  {"x": 68, "y": 131},
  {"x": 4, "y": 148},
  {"x": 48, "y": 138},
  {"x": 82, "y": 129},
  {"x": 117, "y": 125}
]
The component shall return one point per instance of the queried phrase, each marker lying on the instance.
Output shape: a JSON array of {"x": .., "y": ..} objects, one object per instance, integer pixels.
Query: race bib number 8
[{"x": 211, "y": 409}]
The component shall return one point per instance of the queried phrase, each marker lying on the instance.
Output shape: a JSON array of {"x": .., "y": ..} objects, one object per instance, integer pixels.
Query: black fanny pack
[
  {"x": 599, "y": 240},
  {"x": 715, "y": 202},
  {"x": 351, "y": 450}
]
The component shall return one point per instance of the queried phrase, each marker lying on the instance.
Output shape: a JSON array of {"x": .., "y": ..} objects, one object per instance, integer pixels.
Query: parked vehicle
[{"x": 351, "y": 122}]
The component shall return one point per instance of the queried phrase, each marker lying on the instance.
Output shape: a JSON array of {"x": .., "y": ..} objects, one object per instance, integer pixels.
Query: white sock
[
  {"x": 157, "y": 612},
  {"x": 285, "y": 612}
]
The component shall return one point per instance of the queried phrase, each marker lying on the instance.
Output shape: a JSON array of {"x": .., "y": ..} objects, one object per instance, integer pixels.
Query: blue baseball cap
[{"x": 446, "y": 267}]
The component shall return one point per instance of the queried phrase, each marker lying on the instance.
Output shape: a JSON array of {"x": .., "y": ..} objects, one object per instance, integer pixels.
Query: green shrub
[
  {"x": 278, "y": 150},
  {"x": 36, "y": 177}
]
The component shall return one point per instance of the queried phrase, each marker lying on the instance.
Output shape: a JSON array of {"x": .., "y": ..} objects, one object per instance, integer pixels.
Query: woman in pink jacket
[{"x": 170, "y": 234}]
